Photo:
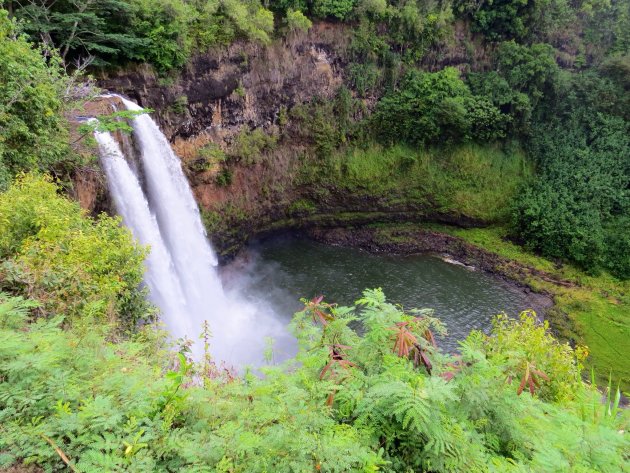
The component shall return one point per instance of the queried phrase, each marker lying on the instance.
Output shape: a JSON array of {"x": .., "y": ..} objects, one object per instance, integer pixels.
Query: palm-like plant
[{"x": 407, "y": 344}]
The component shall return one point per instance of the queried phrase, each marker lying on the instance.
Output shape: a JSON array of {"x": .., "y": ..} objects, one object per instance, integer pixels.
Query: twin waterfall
[{"x": 156, "y": 203}]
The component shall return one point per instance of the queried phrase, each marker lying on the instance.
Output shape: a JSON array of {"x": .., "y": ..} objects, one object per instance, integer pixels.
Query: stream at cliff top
[{"x": 281, "y": 270}]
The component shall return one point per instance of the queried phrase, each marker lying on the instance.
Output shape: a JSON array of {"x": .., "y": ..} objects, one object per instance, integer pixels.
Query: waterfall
[
  {"x": 182, "y": 271},
  {"x": 164, "y": 288}
]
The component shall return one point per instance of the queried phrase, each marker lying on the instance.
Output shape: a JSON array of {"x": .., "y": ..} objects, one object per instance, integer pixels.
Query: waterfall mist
[{"x": 181, "y": 269}]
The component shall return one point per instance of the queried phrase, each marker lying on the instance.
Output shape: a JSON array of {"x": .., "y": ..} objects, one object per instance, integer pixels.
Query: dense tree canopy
[
  {"x": 163, "y": 33},
  {"x": 32, "y": 134},
  {"x": 431, "y": 108},
  {"x": 578, "y": 207}
]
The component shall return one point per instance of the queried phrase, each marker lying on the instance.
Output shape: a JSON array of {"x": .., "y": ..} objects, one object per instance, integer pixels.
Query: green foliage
[
  {"x": 415, "y": 26},
  {"x": 163, "y": 33},
  {"x": 517, "y": 19},
  {"x": 179, "y": 105},
  {"x": 516, "y": 105},
  {"x": 210, "y": 157},
  {"x": 524, "y": 342},
  {"x": 524, "y": 75},
  {"x": 364, "y": 78},
  {"x": 213, "y": 153},
  {"x": 116, "y": 121},
  {"x": 224, "y": 177},
  {"x": 408, "y": 28},
  {"x": 248, "y": 19},
  {"x": 32, "y": 131},
  {"x": 326, "y": 124},
  {"x": 617, "y": 71},
  {"x": 487, "y": 123},
  {"x": 296, "y": 21},
  {"x": 578, "y": 207},
  {"x": 14, "y": 311},
  {"x": 282, "y": 7},
  {"x": 339, "y": 9},
  {"x": 109, "y": 406},
  {"x": 477, "y": 182},
  {"x": 82, "y": 28},
  {"x": 367, "y": 45},
  {"x": 527, "y": 69},
  {"x": 249, "y": 145},
  {"x": 301, "y": 207},
  {"x": 433, "y": 108},
  {"x": 70, "y": 263}
]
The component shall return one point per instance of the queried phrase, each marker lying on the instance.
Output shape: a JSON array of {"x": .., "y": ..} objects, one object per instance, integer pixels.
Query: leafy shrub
[
  {"x": 617, "y": 245},
  {"x": 528, "y": 69},
  {"x": 209, "y": 157},
  {"x": 70, "y": 263},
  {"x": 517, "y": 19},
  {"x": 367, "y": 46},
  {"x": 415, "y": 26},
  {"x": 433, "y": 108},
  {"x": 386, "y": 400},
  {"x": 487, "y": 123},
  {"x": 32, "y": 131},
  {"x": 339, "y": 9},
  {"x": 525, "y": 343},
  {"x": 224, "y": 177},
  {"x": 406, "y": 29},
  {"x": 326, "y": 124},
  {"x": 212, "y": 153},
  {"x": 302, "y": 207},
  {"x": 516, "y": 105},
  {"x": 284, "y": 6},
  {"x": 364, "y": 78},
  {"x": 179, "y": 105},
  {"x": 297, "y": 21},
  {"x": 224, "y": 22},
  {"x": 250, "y": 144}
]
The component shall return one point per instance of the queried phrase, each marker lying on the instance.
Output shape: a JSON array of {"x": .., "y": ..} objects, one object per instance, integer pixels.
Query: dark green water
[{"x": 282, "y": 270}]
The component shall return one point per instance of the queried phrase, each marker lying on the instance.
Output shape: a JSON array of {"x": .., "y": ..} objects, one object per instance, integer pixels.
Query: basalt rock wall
[{"x": 224, "y": 92}]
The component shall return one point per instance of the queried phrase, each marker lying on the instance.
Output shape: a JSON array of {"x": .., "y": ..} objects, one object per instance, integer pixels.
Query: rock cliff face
[
  {"x": 242, "y": 84},
  {"x": 220, "y": 93},
  {"x": 211, "y": 107}
]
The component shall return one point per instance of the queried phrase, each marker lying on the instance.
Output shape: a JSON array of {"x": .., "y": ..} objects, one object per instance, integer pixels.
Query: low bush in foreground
[
  {"x": 386, "y": 400},
  {"x": 72, "y": 264}
]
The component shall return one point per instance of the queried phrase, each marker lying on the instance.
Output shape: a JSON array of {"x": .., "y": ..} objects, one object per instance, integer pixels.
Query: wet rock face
[{"x": 242, "y": 84}]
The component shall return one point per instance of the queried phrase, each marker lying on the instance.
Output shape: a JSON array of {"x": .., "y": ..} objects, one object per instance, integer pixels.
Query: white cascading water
[
  {"x": 131, "y": 204},
  {"x": 181, "y": 268}
]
